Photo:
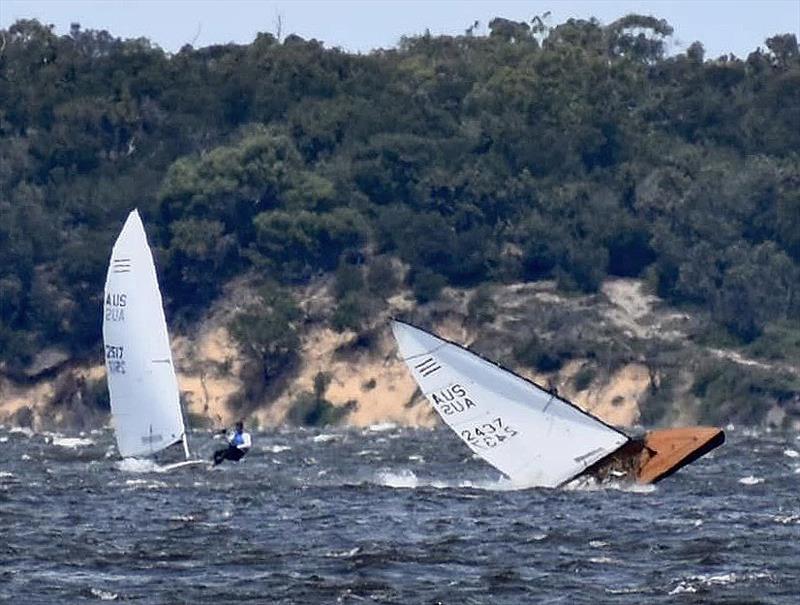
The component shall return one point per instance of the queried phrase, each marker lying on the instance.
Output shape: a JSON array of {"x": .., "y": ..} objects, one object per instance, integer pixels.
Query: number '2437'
[{"x": 488, "y": 434}]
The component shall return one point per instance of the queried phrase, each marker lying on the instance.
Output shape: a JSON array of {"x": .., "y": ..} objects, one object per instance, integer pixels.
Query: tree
[{"x": 267, "y": 330}]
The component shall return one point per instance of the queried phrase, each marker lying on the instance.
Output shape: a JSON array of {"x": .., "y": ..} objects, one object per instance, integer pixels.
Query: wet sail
[
  {"x": 142, "y": 384},
  {"x": 529, "y": 434}
]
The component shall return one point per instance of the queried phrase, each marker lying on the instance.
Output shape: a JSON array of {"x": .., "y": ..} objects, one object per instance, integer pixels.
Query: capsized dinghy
[
  {"x": 143, "y": 388},
  {"x": 531, "y": 434}
]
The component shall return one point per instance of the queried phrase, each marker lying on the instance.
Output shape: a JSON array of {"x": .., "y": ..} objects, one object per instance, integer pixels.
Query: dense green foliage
[
  {"x": 570, "y": 153},
  {"x": 267, "y": 333},
  {"x": 313, "y": 409}
]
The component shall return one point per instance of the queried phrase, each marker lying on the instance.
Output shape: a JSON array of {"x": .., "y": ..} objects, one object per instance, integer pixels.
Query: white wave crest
[
  {"x": 324, "y": 438},
  {"x": 407, "y": 479},
  {"x": 71, "y": 442},
  {"x": 104, "y": 595},
  {"x": 588, "y": 484},
  {"x": 277, "y": 449},
  {"x": 602, "y": 560},
  {"x": 691, "y": 584},
  {"x": 791, "y": 453},
  {"x": 381, "y": 426},
  {"x": 147, "y": 484},
  {"x": 401, "y": 479},
  {"x": 343, "y": 554},
  {"x": 751, "y": 480},
  {"x": 137, "y": 465}
]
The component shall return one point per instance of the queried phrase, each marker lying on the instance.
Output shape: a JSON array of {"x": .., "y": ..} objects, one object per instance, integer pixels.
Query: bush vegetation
[{"x": 581, "y": 147}]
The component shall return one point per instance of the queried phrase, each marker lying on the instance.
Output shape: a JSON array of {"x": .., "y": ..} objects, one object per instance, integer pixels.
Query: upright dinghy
[
  {"x": 145, "y": 401},
  {"x": 530, "y": 434}
]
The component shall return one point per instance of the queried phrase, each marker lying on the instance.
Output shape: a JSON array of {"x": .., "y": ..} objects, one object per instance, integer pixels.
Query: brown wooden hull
[
  {"x": 668, "y": 450},
  {"x": 657, "y": 455}
]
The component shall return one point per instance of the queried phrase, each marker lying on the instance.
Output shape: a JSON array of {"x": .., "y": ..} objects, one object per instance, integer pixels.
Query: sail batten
[
  {"x": 142, "y": 385},
  {"x": 531, "y": 435}
]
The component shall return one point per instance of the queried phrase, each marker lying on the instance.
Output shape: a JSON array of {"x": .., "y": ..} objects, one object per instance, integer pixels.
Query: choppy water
[{"x": 388, "y": 516}]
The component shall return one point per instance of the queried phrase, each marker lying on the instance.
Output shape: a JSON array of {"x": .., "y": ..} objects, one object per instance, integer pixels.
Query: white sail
[
  {"x": 142, "y": 385},
  {"x": 529, "y": 434}
]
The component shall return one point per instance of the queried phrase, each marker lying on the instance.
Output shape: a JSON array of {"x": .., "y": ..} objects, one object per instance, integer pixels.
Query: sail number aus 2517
[
  {"x": 115, "y": 306},
  {"x": 115, "y": 361},
  {"x": 488, "y": 434}
]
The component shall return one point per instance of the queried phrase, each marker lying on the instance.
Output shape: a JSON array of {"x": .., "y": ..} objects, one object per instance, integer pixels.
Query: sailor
[{"x": 239, "y": 443}]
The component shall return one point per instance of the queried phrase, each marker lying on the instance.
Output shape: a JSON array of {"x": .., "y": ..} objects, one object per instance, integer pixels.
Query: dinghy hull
[
  {"x": 669, "y": 450},
  {"x": 657, "y": 455}
]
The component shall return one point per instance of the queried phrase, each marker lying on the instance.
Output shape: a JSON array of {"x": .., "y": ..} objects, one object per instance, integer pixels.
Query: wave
[
  {"x": 343, "y": 554},
  {"x": 381, "y": 427},
  {"x": 692, "y": 584},
  {"x": 70, "y": 442},
  {"x": 104, "y": 595},
  {"x": 751, "y": 480},
  {"x": 589, "y": 484},
  {"x": 407, "y": 479},
  {"x": 324, "y": 438},
  {"x": 145, "y": 483}
]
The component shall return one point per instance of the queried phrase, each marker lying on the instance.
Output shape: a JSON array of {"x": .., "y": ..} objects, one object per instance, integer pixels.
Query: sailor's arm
[{"x": 246, "y": 443}]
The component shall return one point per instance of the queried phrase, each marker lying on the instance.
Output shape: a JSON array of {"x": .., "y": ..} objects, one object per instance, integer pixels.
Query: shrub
[
  {"x": 427, "y": 285},
  {"x": 312, "y": 409},
  {"x": 382, "y": 280},
  {"x": 584, "y": 377},
  {"x": 534, "y": 353},
  {"x": 730, "y": 392},
  {"x": 348, "y": 279},
  {"x": 481, "y": 308},
  {"x": 267, "y": 333},
  {"x": 350, "y": 313}
]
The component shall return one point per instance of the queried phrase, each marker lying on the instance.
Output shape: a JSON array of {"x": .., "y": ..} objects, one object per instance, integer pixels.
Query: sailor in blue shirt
[{"x": 239, "y": 443}]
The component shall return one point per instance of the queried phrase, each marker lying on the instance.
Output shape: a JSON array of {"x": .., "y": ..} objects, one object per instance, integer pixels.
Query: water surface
[{"x": 388, "y": 515}]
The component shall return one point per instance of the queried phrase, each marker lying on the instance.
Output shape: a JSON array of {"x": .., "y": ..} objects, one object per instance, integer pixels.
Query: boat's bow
[{"x": 668, "y": 450}]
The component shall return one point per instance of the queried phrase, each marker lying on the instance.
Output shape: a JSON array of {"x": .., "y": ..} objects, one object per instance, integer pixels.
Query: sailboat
[
  {"x": 529, "y": 433},
  {"x": 143, "y": 388}
]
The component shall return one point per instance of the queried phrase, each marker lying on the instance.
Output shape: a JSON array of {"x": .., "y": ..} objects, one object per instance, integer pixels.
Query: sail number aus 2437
[
  {"x": 452, "y": 400},
  {"x": 488, "y": 434}
]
